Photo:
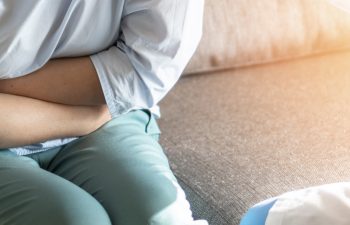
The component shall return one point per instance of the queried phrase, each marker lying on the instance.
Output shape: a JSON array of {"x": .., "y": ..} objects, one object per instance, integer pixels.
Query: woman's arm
[
  {"x": 26, "y": 121},
  {"x": 71, "y": 81},
  {"x": 62, "y": 99}
]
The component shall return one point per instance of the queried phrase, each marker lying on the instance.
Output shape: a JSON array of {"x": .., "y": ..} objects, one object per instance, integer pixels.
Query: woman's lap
[{"x": 124, "y": 168}]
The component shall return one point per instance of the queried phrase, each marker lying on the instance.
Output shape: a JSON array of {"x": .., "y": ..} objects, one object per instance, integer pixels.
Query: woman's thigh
[
  {"x": 30, "y": 195},
  {"x": 123, "y": 166}
]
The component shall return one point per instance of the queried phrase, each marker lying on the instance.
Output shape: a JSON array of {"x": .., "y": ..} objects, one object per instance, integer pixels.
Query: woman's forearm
[
  {"x": 69, "y": 81},
  {"x": 26, "y": 121}
]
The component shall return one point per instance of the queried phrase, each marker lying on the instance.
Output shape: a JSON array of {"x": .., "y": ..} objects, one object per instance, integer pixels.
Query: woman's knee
[
  {"x": 153, "y": 200},
  {"x": 69, "y": 205},
  {"x": 178, "y": 212},
  {"x": 74, "y": 212},
  {"x": 31, "y": 196}
]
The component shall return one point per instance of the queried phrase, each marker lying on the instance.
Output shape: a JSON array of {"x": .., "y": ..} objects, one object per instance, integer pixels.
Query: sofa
[{"x": 263, "y": 107}]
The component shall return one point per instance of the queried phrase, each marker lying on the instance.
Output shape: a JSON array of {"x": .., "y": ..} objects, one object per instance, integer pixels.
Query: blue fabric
[
  {"x": 257, "y": 215},
  {"x": 118, "y": 173}
]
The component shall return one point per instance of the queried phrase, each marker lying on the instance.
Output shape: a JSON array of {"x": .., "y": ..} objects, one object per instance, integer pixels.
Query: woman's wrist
[{"x": 90, "y": 118}]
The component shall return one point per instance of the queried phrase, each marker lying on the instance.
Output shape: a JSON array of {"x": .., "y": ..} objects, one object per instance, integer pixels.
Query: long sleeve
[{"x": 157, "y": 39}]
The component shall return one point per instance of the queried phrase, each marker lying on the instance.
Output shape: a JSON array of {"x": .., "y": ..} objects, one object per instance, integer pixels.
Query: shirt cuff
[{"x": 119, "y": 81}]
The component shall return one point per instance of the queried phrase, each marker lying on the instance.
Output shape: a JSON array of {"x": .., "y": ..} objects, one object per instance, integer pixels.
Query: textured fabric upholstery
[
  {"x": 248, "y": 32},
  {"x": 241, "y": 136},
  {"x": 201, "y": 208}
]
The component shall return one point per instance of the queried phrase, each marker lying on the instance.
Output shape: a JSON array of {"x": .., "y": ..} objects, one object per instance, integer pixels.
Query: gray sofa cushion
[
  {"x": 245, "y": 135},
  {"x": 248, "y": 32},
  {"x": 200, "y": 207}
]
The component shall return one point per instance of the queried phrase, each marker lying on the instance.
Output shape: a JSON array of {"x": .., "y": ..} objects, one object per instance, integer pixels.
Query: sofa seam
[{"x": 265, "y": 62}]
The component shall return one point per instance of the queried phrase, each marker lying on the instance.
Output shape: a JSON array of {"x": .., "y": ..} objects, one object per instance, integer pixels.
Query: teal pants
[{"x": 116, "y": 175}]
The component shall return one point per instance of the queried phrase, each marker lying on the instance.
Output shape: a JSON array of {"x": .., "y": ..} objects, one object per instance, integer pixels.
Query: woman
[{"x": 80, "y": 81}]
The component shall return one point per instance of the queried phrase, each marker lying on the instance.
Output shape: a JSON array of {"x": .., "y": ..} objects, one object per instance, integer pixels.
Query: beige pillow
[{"x": 247, "y": 32}]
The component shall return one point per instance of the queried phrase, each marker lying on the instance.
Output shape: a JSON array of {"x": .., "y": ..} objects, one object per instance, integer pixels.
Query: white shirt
[
  {"x": 138, "y": 47},
  {"x": 322, "y": 205}
]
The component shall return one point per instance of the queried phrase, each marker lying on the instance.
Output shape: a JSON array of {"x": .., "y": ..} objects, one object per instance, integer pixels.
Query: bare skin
[
  {"x": 62, "y": 99},
  {"x": 71, "y": 81}
]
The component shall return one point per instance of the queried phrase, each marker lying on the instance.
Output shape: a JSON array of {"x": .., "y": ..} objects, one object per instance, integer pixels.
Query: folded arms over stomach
[{"x": 47, "y": 104}]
